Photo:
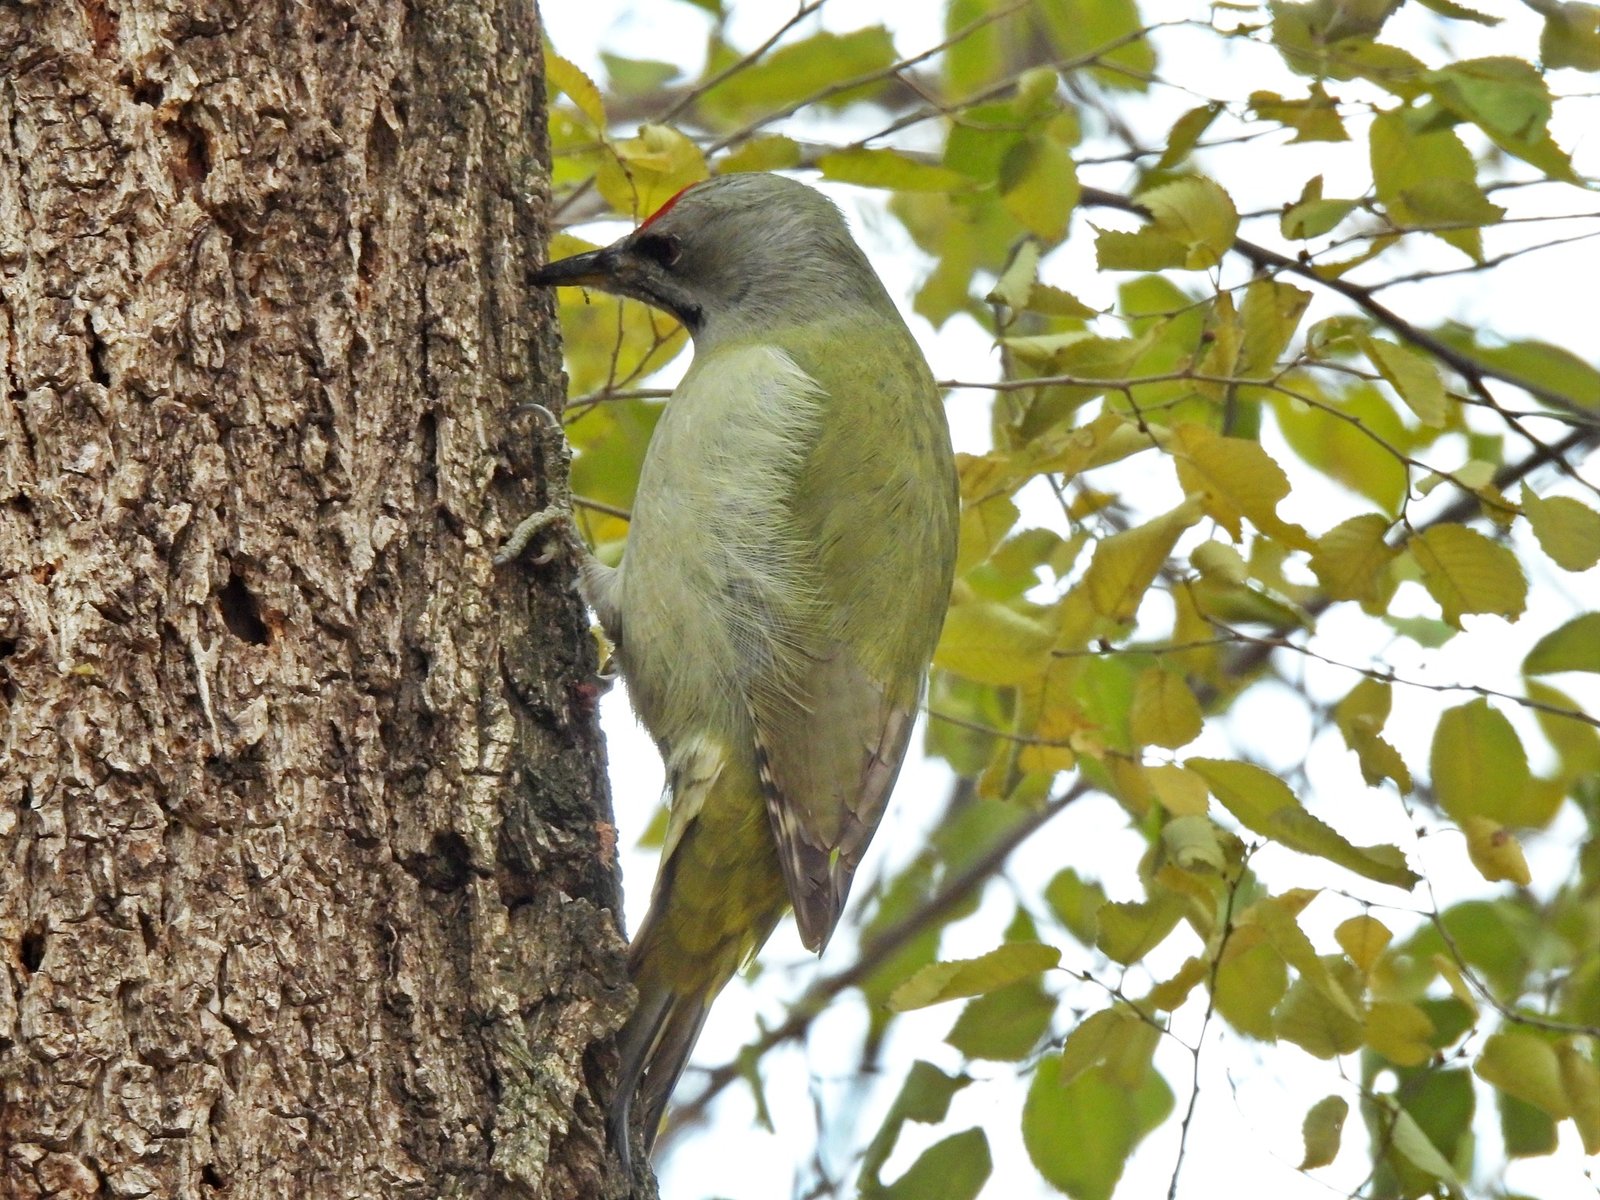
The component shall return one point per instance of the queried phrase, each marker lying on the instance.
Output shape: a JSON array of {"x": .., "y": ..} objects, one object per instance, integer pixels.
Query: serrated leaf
[
  {"x": 1312, "y": 1019},
  {"x": 1263, "y": 803},
  {"x": 1270, "y": 315},
  {"x": 1568, "y": 530},
  {"x": 925, "y": 1098},
  {"x": 1039, "y": 187},
  {"x": 1495, "y": 851},
  {"x": 1322, "y": 1129},
  {"x": 642, "y": 173},
  {"x": 1478, "y": 765},
  {"x": 1126, "y": 564},
  {"x": 1571, "y": 38},
  {"x": 989, "y": 642},
  {"x": 1250, "y": 983},
  {"x": 1351, "y": 559},
  {"x": 1005, "y": 1025},
  {"x": 578, "y": 87},
  {"x": 1235, "y": 478},
  {"x": 1004, "y": 965},
  {"x": 1413, "y": 375},
  {"x": 1164, "y": 711},
  {"x": 792, "y": 74},
  {"x": 1468, "y": 573},
  {"x": 1198, "y": 214}
]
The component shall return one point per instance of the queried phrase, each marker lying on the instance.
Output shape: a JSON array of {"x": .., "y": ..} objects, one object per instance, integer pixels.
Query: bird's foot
[{"x": 553, "y": 518}]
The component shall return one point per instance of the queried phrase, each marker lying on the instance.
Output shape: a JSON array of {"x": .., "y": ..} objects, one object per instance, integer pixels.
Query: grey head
[{"x": 733, "y": 254}]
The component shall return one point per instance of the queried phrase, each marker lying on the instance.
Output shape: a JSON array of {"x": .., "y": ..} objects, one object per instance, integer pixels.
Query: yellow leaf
[
  {"x": 1580, "y": 1079},
  {"x": 644, "y": 172},
  {"x": 1351, "y": 560},
  {"x": 1181, "y": 792},
  {"x": 579, "y": 88},
  {"x": 1413, "y": 375},
  {"x": 1198, "y": 214},
  {"x": 1467, "y": 573},
  {"x": 1525, "y": 1066},
  {"x": 1573, "y": 647},
  {"x": 772, "y": 153},
  {"x": 1164, "y": 711},
  {"x": 1568, "y": 531},
  {"x": 1171, "y": 993},
  {"x": 1126, "y": 564},
  {"x": 1263, "y": 802},
  {"x": 1478, "y": 764},
  {"x": 1399, "y": 1031},
  {"x": 1495, "y": 851},
  {"x": 1364, "y": 939},
  {"x": 982, "y": 527},
  {"x": 1459, "y": 987},
  {"x": 1235, "y": 477},
  {"x": 1321, "y": 1129},
  {"x": 989, "y": 642}
]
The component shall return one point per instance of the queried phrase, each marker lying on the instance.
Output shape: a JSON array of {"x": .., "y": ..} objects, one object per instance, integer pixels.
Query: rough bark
[{"x": 305, "y": 860}]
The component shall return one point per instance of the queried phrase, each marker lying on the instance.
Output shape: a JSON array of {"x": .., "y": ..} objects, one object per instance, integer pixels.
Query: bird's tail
[{"x": 655, "y": 1044}]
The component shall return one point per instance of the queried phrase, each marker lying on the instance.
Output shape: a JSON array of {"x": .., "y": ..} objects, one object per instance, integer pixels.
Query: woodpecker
[{"x": 786, "y": 573}]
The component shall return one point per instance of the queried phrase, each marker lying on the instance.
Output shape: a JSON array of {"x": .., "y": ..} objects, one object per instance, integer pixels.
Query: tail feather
[{"x": 655, "y": 1045}]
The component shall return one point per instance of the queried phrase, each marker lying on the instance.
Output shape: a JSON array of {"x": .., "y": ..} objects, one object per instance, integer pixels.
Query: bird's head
[{"x": 733, "y": 253}]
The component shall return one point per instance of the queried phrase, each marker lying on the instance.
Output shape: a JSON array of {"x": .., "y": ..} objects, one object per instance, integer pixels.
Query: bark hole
[
  {"x": 447, "y": 864},
  {"x": 98, "y": 370},
  {"x": 240, "y": 612},
  {"x": 30, "y": 951},
  {"x": 212, "y": 1178}
]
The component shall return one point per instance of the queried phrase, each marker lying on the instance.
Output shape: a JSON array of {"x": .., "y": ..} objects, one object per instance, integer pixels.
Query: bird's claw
[{"x": 531, "y": 527}]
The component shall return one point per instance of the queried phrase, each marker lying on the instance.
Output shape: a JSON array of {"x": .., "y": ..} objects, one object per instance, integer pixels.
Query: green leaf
[
  {"x": 1164, "y": 711},
  {"x": 1314, "y": 1020},
  {"x": 1079, "y": 1135},
  {"x": 772, "y": 153},
  {"x": 1039, "y": 187},
  {"x": 1235, "y": 478},
  {"x": 1321, "y": 1130},
  {"x": 1478, "y": 765},
  {"x": 1571, "y": 37},
  {"x": 1002, "y": 966},
  {"x": 1399, "y": 1031},
  {"x": 1186, "y": 131},
  {"x": 1351, "y": 560},
  {"x": 1006, "y": 1024},
  {"x": 1264, "y": 804},
  {"x": 1270, "y": 315},
  {"x": 1573, "y": 647},
  {"x": 1505, "y": 97},
  {"x": 1580, "y": 1078},
  {"x": 1468, "y": 573},
  {"x": 1197, "y": 213},
  {"x": 1524, "y": 1065},
  {"x": 989, "y": 642},
  {"x": 925, "y": 1098},
  {"x": 1116, "y": 1038},
  {"x": 1128, "y": 930},
  {"x": 1568, "y": 530},
  {"x": 1413, "y": 1145},
  {"x": 1427, "y": 178},
  {"x": 889, "y": 169},
  {"x": 1314, "y": 119},
  {"x": 953, "y": 1168},
  {"x": 1249, "y": 985},
  {"x": 645, "y": 172},
  {"x": 792, "y": 74},
  {"x": 1360, "y": 717},
  {"x": 1312, "y": 216},
  {"x": 1126, "y": 564},
  {"x": 1413, "y": 375}
]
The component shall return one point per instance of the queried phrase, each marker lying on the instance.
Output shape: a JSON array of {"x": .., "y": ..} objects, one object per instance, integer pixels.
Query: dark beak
[{"x": 596, "y": 269}]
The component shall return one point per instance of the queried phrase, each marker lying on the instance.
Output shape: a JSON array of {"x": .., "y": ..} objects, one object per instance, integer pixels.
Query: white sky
[{"x": 1246, "y": 1136}]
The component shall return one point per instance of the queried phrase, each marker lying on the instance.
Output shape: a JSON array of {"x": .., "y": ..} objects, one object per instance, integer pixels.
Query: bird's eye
[{"x": 659, "y": 248}]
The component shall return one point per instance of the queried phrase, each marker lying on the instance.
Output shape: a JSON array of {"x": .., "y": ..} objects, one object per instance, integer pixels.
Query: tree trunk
[{"x": 307, "y": 882}]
